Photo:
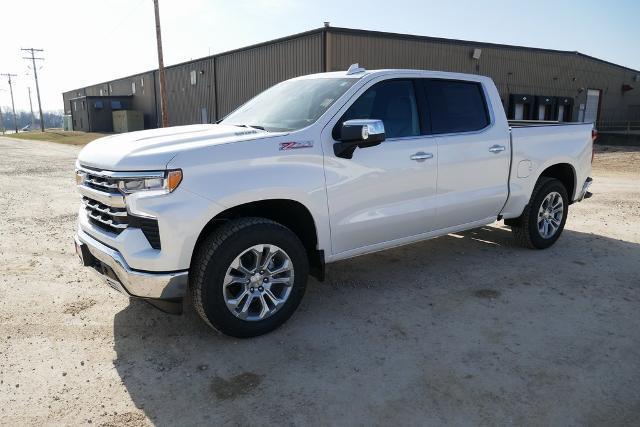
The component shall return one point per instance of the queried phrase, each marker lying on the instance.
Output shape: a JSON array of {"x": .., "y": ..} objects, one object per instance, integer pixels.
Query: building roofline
[
  {"x": 99, "y": 97},
  {"x": 361, "y": 32},
  {"x": 203, "y": 58},
  {"x": 469, "y": 42}
]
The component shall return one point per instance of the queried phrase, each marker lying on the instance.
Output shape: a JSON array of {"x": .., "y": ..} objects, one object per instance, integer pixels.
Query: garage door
[{"x": 591, "y": 109}]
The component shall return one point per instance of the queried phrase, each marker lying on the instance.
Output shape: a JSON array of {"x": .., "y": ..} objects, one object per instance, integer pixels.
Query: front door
[{"x": 386, "y": 192}]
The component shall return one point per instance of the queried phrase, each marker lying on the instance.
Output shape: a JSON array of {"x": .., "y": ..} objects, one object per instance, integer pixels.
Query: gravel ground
[{"x": 463, "y": 329}]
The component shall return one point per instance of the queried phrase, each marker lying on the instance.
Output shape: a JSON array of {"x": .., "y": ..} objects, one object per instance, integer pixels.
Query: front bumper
[{"x": 111, "y": 265}]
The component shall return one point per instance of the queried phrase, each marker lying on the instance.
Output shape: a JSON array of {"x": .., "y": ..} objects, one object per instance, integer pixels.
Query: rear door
[{"x": 473, "y": 153}]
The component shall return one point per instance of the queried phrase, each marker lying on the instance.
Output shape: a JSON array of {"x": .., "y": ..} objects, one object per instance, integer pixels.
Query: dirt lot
[{"x": 464, "y": 329}]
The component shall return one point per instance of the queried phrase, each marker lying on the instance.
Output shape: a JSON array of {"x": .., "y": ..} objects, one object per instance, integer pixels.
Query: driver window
[{"x": 393, "y": 102}]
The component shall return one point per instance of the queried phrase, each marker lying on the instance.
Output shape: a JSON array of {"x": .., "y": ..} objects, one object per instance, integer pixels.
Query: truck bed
[{"x": 535, "y": 146}]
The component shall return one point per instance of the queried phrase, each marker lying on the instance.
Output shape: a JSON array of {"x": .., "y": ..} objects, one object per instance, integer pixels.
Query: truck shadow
[{"x": 466, "y": 328}]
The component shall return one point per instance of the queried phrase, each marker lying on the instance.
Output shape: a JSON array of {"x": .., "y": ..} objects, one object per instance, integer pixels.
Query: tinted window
[
  {"x": 391, "y": 101},
  {"x": 455, "y": 106}
]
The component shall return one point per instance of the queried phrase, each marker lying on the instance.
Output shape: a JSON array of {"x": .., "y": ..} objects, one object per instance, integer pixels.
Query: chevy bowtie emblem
[{"x": 295, "y": 145}]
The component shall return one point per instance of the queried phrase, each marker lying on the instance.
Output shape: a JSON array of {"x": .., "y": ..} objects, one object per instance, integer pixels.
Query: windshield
[{"x": 290, "y": 105}]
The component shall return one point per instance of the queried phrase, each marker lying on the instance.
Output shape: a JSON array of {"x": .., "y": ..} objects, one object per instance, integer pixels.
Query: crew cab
[{"x": 314, "y": 170}]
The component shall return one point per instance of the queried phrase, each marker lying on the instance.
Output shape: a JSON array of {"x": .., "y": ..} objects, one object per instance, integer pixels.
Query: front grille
[
  {"x": 106, "y": 217},
  {"x": 106, "y": 209},
  {"x": 106, "y": 184}
]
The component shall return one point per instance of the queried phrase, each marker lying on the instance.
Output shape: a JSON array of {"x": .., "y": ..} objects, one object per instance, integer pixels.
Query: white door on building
[
  {"x": 541, "y": 110},
  {"x": 591, "y": 108},
  {"x": 519, "y": 113},
  {"x": 561, "y": 113}
]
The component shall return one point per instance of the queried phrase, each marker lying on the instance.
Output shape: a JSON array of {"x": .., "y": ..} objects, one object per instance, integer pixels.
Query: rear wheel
[
  {"x": 249, "y": 277},
  {"x": 544, "y": 217}
]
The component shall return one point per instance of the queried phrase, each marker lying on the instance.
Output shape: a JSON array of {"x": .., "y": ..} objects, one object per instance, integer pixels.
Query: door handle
[
  {"x": 421, "y": 156},
  {"x": 496, "y": 148}
]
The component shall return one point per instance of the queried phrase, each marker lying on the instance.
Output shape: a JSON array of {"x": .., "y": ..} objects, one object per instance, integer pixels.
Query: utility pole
[
  {"x": 13, "y": 107},
  {"x": 163, "y": 91},
  {"x": 35, "y": 75},
  {"x": 33, "y": 119}
]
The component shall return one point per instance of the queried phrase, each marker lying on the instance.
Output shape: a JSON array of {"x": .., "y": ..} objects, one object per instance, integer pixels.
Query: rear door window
[{"x": 455, "y": 106}]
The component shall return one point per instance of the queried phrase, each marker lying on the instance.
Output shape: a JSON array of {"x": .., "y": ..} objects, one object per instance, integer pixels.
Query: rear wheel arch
[{"x": 563, "y": 172}]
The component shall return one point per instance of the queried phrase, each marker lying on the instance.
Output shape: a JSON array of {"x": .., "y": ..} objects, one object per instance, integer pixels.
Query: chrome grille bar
[
  {"x": 95, "y": 206},
  {"x": 108, "y": 222}
]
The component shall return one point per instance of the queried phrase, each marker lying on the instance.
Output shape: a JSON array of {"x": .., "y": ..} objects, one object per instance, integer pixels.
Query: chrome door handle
[
  {"x": 421, "y": 156},
  {"x": 496, "y": 148}
]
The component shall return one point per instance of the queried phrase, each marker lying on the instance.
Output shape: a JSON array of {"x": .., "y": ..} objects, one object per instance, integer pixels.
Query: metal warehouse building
[{"x": 533, "y": 83}]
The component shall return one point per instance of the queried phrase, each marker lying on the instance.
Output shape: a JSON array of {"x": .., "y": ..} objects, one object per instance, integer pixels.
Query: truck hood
[{"x": 152, "y": 149}]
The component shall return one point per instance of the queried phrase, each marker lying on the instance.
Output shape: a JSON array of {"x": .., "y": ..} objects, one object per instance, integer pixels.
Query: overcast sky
[{"x": 90, "y": 41}]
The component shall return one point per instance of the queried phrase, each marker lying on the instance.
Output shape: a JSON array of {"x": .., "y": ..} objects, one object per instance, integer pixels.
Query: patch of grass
[{"x": 59, "y": 135}]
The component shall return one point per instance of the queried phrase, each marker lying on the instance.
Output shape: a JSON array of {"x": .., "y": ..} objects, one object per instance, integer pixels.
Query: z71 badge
[{"x": 295, "y": 145}]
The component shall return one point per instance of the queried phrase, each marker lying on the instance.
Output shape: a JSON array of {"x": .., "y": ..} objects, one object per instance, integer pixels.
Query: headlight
[{"x": 165, "y": 183}]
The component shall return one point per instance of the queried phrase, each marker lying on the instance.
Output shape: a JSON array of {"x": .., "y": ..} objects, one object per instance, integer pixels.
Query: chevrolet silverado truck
[{"x": 317, "y": 169}]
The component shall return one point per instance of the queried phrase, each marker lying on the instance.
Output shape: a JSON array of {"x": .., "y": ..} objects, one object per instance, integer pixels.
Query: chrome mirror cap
[{"x": 370, "y": 127}]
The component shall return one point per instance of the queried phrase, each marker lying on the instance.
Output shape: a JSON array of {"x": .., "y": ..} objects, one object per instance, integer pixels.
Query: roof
[
  {"x": 469, "y": 42},
  {"x": 360, "y": 32},
  {"x": 99, "y": 96}
]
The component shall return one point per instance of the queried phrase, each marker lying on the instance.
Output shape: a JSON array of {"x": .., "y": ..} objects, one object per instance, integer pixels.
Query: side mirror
[{"x": 358, "y": 134}]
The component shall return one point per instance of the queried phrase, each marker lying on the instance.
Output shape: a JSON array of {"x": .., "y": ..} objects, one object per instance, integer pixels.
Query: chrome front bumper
[{"x": 111, "y": 265}]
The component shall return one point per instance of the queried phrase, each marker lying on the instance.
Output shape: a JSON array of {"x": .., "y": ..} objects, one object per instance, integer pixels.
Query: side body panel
[{"x": 535, "y": 148}]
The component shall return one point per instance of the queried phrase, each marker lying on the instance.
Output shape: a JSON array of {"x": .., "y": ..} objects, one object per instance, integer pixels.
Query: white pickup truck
[{"x": 314, "y": 170}]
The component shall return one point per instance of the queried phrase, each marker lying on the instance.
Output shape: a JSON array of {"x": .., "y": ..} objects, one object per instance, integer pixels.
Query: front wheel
[
  {"x": 544, "y": 217},
  {"x": 249, "y": 277}
]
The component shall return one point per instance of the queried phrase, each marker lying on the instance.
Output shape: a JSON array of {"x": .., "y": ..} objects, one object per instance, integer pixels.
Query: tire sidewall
[
  {"x": 536, "y": 239},
  {"x": 213, "y": 301}
]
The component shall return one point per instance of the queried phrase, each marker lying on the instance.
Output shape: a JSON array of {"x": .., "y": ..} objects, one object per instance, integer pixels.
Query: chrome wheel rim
[
  {"x": 550, "y": 215},
  {"x": 258, "y": 282}
]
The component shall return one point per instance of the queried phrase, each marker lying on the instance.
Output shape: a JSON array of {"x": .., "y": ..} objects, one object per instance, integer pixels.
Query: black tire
[
  {"x": 525, "y": 228},
  {"x": 215, "y": 255}
]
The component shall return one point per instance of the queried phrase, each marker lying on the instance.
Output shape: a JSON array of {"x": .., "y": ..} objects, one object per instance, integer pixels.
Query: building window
[
  {"x": 75, "y": 105},
  {"x": 84, "y": 105},
  {"x": 193, "y": 77},
  {"x": 133, "y": 88},
  {"x": 110, "y": 88},
  {"x": 101, "y": 92},
  {"x": 141, "y": 82}
]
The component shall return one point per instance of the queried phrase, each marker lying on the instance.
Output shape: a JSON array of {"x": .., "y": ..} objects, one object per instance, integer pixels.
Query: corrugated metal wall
[
  {"x": 245, "y": 73},
  {"x": 225, "y": 81},
  {"x": 144, "y": 98},
  {"x": 514, "y": 70},
  {"x": 190, "y": 103}
]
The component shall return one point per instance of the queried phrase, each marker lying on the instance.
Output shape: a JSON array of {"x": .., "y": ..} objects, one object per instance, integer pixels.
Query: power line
[
  {"x": 13, "y": 107},
  {"x": 35, "y": 75}
]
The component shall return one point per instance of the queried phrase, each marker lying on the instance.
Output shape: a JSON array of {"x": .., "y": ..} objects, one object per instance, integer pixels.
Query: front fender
[{"x": 251, "y": 171}]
